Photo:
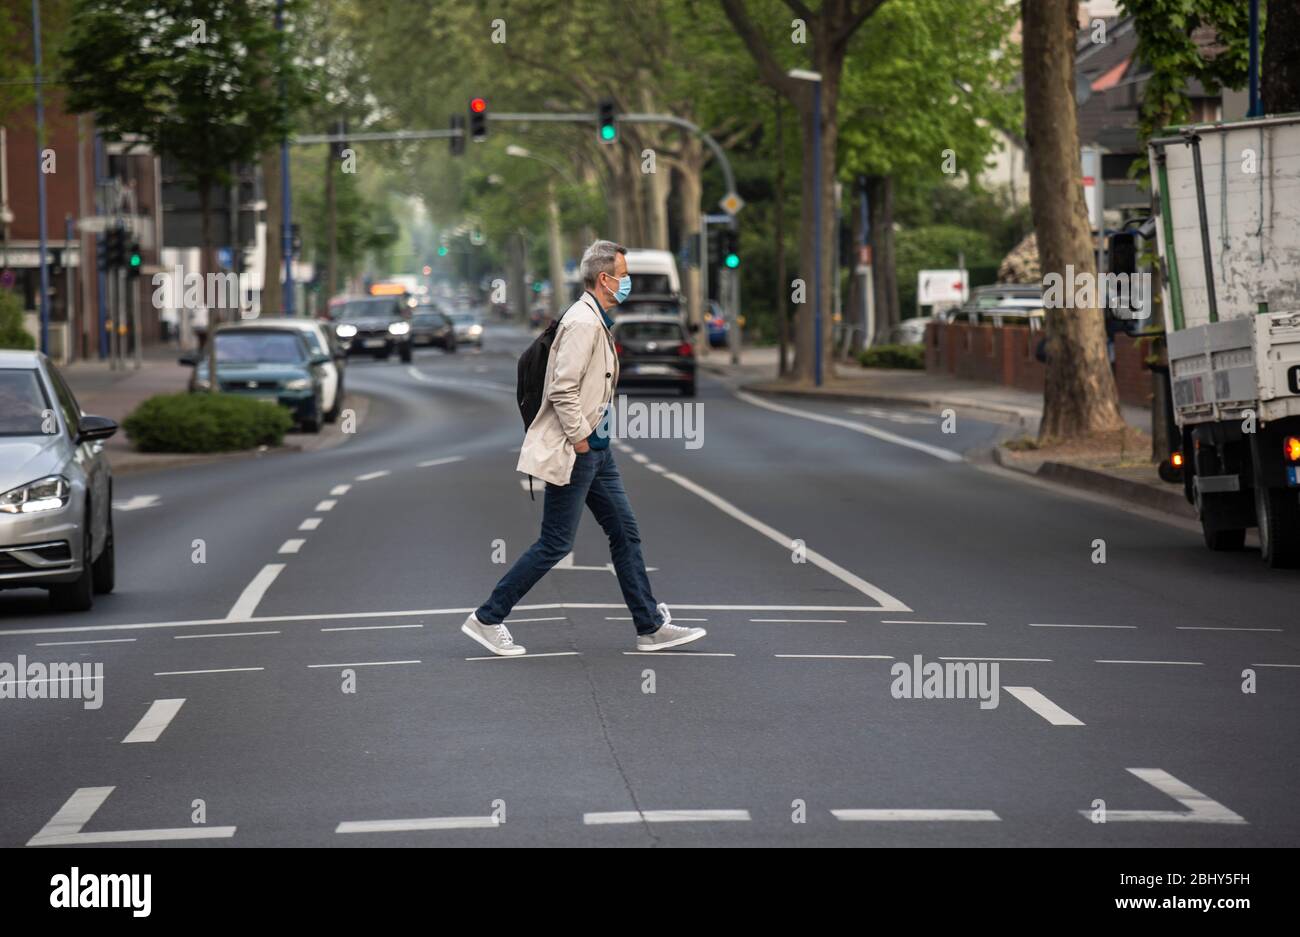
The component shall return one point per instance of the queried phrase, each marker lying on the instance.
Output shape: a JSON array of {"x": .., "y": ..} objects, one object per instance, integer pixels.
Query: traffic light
[
  {"x": 478, "y": 119},
  {"x": 607, "y": 132},
  {"x": 442, "y": 251},
  {"x": 727, "y": 248},
  {"x": 458, "y": 141},
  {"x": 133, "y": 260},
  {"x": 115, "y": 245}
]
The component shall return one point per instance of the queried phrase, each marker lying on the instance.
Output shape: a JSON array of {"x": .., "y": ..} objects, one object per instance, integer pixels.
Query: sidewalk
[
  {"x": 1130, "y": 478},
  {"x": 114, "y": 394}
]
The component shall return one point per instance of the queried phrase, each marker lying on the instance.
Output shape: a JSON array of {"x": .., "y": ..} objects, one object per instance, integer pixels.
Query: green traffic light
[
  {"x": 442, "y": 252},
  {"x": 135, "y": 260},
  {"x": 608, "y": 132},
  {"x": 732, "y": 261}
]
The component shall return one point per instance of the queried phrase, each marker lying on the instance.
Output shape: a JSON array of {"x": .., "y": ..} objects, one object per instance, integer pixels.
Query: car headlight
[
  {"x": 45, "y": 494},
  {"x": 202, "y": 383},
  {"x": 475, "y": 329},
  {"x": 345, "y": 331},
  {"x": 298, "y": 383},
  {"x": 399, "y": 328}
]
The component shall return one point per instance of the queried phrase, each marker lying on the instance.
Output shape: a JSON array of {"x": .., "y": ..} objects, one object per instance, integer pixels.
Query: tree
[
  {"x": 829, "y": 30},
  {"x": 1280, "y": 70},
  {"x": 205, "y": 82},
  {"x": 1079, "y": 396}
]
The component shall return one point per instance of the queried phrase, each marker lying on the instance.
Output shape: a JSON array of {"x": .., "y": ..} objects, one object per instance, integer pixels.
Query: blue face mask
[{"x": 624, "y": 288}]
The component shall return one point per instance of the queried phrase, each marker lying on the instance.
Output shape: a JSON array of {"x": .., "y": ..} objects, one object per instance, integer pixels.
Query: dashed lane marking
[
  {"x": 340, "y": 490},
  {"x": 424, "y": 823},
  {"x": 228, "y": 634},
  {"x": 665, "y": 816},
  {"x": 915, "y": 816},
  {"x": 888, "y": 621},
  {"x": 1174, "y": 663},
  {"x": 669, "y": 652},
  {"x": 326, "y": 505},
  {"x": 186, "y": 673},
  {"x": 1130, "y": 627},
  {"x": 807, "y": 621},
  {"x": 64, "y": 828},
  {"x": 1043, "y": 706},
  {"x": 527, "y": 656},
  {"x": 291, "y": 546},
  {"x": 157, "y": 718},
  {"x": 72, "y": 643},
  {"x": 1208, "y": 628},
  {"x": 372, "y": 628},
  {"x": 310, "y": 523},
  {"x": 364, "y": 663},
  {"x": 1012, "y": 660},
  {"x": 370, "y": 476},
  {"x": 445, "y": 461},
  {"x": 835, "y": 656},
  {"x": 520, "y": 621}
]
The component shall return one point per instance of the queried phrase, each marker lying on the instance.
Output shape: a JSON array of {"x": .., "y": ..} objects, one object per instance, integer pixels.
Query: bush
[
  {"x": 206, "y": 423},
  {"x": 12, "y": 333},
  {"x": 911, "y": 357}
]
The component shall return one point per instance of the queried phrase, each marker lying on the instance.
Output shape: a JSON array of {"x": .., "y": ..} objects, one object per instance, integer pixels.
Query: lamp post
[
  {"x": 816, "y": 79},
  {"x": 556, "y": 258}
]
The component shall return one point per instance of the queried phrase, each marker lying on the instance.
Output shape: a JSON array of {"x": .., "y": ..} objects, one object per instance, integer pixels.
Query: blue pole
[
  {"x": 286, "y": 202},
  {"x": 40, "y": 182},
  {"x": 1256, "y": 109},
  {"x": 817, "y": 233}
]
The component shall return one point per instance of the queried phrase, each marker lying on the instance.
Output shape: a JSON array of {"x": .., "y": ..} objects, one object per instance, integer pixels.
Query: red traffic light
[{"x": 478, "y": 105}]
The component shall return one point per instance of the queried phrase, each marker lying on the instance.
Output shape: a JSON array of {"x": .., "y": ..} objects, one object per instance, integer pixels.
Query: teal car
[{"x": 271, "y": 364}]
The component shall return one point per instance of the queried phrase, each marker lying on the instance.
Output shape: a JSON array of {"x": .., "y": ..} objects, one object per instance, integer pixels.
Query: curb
[
  {"x": 1074, "y": 476},
  {"x": 1002, "y": 414}
]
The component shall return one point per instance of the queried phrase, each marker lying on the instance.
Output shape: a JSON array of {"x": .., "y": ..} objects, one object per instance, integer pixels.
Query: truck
[{"x": 1228, "y": 231}]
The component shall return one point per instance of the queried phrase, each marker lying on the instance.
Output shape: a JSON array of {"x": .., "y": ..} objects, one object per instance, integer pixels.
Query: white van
[{"x": 654, "y": 275}]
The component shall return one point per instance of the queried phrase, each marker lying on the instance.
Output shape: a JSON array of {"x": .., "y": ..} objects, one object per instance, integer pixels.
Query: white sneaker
[
  {"x": 496, "y": 638},
  {"x": 668, "y": 635}
]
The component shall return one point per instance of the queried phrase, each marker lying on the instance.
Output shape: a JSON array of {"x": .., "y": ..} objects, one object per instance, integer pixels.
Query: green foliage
[
  {"x": 908, "y": 357},
  {"x": 936, "y": 247},
  {"x": 206, "y": 423},
  {"x": 1166, "y": 44},
  {"x": 12, "y": 333}
]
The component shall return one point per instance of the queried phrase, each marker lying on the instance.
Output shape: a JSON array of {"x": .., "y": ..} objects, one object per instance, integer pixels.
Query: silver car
[{"x": 56, "y": 489}]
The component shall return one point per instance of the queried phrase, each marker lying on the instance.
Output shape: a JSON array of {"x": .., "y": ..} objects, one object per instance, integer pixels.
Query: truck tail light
[
  {"x": 1291, "y": 447},
  {"x": 1176, "y": 460}
]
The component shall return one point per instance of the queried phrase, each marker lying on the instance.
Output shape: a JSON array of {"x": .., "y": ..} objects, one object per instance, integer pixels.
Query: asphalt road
[{"x": 326, "y": 686}]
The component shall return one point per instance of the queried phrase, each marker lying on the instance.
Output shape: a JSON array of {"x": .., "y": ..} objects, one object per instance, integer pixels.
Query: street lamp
[
  {"x": 800, "y": 74},
  {"x": 555, "y": 252}
]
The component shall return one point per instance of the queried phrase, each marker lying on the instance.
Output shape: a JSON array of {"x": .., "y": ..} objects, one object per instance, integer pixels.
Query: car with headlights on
[
  {"x": 275, "y": 365},
  {"x": 432, "y": 327},
  {"x": 373, "y": 325},
  {"x": 56, "y": 487},
  {"x": 469, "y": 328}
]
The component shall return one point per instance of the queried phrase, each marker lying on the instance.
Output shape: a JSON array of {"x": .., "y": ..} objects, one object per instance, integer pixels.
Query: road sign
[
  {"x": 717, "y": 219},
  {"x": 934, "y": 287},
  {"x": 732, "y": 203}
]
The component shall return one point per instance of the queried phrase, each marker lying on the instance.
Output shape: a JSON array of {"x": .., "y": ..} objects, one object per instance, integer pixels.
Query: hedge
[
  {"x": 12, "y": 333},
  {"x": 911, "y": 357},
  {"x": 206, "y": 423}
]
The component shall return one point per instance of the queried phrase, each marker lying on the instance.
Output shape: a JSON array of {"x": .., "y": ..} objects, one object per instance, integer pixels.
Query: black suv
[{"x": 375, "y": 325}]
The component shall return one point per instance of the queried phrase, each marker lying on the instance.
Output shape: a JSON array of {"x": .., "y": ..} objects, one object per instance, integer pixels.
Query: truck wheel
[
  {"x": 1217, "y": 527},
  {"x": 1278, "y": 510}
]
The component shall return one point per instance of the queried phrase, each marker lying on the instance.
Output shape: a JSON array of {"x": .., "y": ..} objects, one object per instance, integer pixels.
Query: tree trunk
[
  {"x": 1280, "y": 68},
  {"x": 689, "y": 189},
  {"x": 331, "y": 223},
  {"x": 207, "y": 264},
  {"x": 271, "y": 270},
  {"x": 884, "y": 279},
  {"x": 554, "y": 248},
  {"x": 1079, "y": 396}
]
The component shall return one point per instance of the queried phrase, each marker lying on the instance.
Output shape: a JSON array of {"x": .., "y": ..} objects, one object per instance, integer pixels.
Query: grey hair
[{"x": 598, "y": 259}]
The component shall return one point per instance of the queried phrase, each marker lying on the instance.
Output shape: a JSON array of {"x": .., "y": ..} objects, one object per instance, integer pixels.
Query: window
[
  {"x": 649, "y": 332},
  {"x": 23, "y": 405},
  {"x": 67, "y": 402}
]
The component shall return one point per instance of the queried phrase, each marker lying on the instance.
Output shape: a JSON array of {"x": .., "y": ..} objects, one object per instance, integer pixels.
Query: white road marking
[
  {"x": 1275, "y": 665},
  {"x": 459, "y": 382},
  {"x": 228, "y": 634},
  {"x": 672, "y": 653},
  {"x": 629, "y": 618},
  {"x": 184, "y": 673},
  {"x": 946, "y": 455},
  {"x": 71, "y": 643},
  {"x": 310, "y": 523},
  {"x": 64, "y": 828},
  {"x": 1207, "y": 628},
  {"x": 373, "y": 628},
  {"x": 518, "y": 621},
  {"x": 426, "y": 823},
  {"x": 1200, "y": 808},
  {"x": 370, "y": 476},
  {"x": 292, "y": 545},
  {"x": 810, "y": 621},
  {"x": 447, "y": 461},
  {"x": 364, "y": 663},
  {"x": 665, "y": 816},
  {"x": 526, "y": 656},
  {"x": 409, "y": 613},
  {"x": 940, "y": 816},
  {"x": 638, "y": 457},
  {"x": 157, "y": 718},
  {"x": 249, "y": 599},
  {"x": 48, "y": 680},
  {"x": 893, "y": 416},
  {"x": 1178, "y": 663},
  {"x": 835, "y": 656},
  {"x": 136, "y": 503},
  {"x": 887, "y": 602},
  {"x": 1043, "y": 706},
  {"x": 523, "y": 483},
  {"x": 340, "y": 490},
  {"x": 326, "y": 505},
  {"x": 1014, "y": 660},
  {"x": 1082, "y": 626},
  {"x": 888, "y": 621},
  {"x": 656, "y": 467}
]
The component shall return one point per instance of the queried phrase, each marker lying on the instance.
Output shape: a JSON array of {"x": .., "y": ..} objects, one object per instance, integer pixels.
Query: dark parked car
[
  {"x": 431, "y": 326},
  {"x": 654, "y": 351},
  {"x": 374, "y": 325}
]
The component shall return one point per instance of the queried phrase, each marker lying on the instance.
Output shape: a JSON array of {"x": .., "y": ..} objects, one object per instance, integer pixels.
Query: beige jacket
[{"x": 581, "y": 374}]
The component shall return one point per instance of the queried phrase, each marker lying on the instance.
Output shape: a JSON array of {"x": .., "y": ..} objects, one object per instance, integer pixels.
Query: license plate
[
  {"x": 374, "y": 343},
  {"x": 652, "y": 369},
  {"x": 1293, "y": 475}
]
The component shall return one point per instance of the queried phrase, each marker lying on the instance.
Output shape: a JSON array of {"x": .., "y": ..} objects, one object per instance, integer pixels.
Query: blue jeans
[{"x": 596, "y": 481}]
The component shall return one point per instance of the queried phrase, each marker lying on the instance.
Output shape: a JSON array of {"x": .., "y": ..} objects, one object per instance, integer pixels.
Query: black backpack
[{"x": 530, "y": 384}]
